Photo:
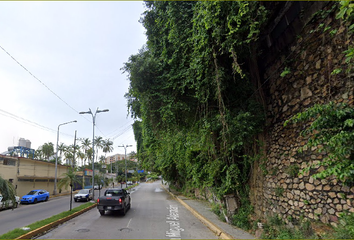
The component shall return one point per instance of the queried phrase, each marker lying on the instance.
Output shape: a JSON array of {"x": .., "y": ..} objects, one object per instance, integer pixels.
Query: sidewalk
[{"x": 202, "y": 210}]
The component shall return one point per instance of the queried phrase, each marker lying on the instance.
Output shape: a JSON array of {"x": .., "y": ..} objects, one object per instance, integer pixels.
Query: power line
[
  {"x": 38, "y": 80},
  {"x": 122, "y": 132},
  {"x": 118, "y": 130},
  {"x": 26, "y": 121}
]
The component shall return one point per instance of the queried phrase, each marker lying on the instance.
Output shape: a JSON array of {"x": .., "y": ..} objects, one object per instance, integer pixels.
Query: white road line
[{"x": 129, "y": 223}]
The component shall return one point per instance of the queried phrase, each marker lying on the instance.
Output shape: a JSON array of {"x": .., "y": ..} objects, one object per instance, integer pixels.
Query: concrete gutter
[{"x": 215, "y": 229}]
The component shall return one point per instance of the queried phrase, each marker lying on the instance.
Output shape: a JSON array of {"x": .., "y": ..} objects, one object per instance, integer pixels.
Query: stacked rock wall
[{"x": 277, "y": 188}]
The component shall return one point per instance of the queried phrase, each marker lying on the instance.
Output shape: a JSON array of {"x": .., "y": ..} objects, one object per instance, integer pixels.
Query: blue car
[{"x": 35, "y": 196}]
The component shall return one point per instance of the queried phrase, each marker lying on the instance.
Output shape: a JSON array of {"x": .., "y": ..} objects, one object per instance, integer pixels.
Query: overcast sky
[{"x": 73, "y": 53}]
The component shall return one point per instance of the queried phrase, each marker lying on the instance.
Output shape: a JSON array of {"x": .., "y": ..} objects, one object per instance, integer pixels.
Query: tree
[
  {"x": 192, "y": 89},
  {"x": 38, "y": 154},
  {"x": 85, "y": 145},
  {"x": 7, "y": 190},
  {"x": 81, "y": 156},
  {"x": 69, "y": 178},
  {"x": 89, "y": 154},
  {"x": 48, "y": 150},
  {"x": 98, "y": 144},
  {"x": 70, "y": 154},
  {"x": 61, "y": 148},
  {"x": 107, "y": 146}
]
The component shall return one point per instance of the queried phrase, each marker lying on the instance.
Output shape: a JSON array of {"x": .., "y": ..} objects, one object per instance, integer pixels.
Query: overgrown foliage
[
  {"x": 332, "y": 130},
  {"x": 345, "y": 229},
  {"x": 276, "y": 228},
  {"x": 7, "y": 190},
  {"x": 192, "y": 93}
]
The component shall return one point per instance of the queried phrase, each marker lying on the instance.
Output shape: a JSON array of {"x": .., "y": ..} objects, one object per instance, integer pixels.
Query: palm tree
[
  {"x": 89, "y": 153},
  {"x": 38, "y": 154},
  {"x": 102, "y": 160},
  {"x": 69, "y": 178},
  {"x": 85, "y": 145},
  {"x": 68, "y": 157},
  {"x": 98, "y": 144},
  {"x": 107, "y": 148},
  {"x": 82, "y": 156},
  {"x": 7, "y": 190},
  {"x": 61, "y": 148},
  {"x": 48, "y": 150},
  {"x": 73, "y": 151}
]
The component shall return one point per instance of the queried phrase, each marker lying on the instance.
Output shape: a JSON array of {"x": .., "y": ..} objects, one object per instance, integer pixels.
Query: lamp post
[
  {"x": 56, "y": 159},
  {"x": 125, "y": 159},
  {"x": 93, "y": 145}
]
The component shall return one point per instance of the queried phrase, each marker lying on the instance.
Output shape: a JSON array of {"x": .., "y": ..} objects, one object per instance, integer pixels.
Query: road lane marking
[
  {"x": 172, "y": 218},
  {"x": 129, "y": 223}
]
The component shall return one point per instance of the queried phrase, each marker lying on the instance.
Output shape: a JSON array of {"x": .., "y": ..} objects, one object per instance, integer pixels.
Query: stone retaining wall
[{"x": 311, "y": 59}]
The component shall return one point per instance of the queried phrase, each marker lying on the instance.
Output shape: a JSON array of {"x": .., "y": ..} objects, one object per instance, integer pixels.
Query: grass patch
[
  {"x": 293, "y": 170},
  {"x": 17, "y": 232},
  {"x": 345, "y": 229},
  {"x": 275, "y": 228},
  {"x": 241, "y": 218},
  {"x": 279, "y": 191},
  {"x": 217, "y": 208}
]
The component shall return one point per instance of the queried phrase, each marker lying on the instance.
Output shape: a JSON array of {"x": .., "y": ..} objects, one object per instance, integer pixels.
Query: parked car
[
  {"x": 35, "y": 196},
  {"x": 83, "y": 195},
  {"x": 129, "y": 183},
  {"x": 97, "y": 187},
  {"x": 9, "y": 203}
]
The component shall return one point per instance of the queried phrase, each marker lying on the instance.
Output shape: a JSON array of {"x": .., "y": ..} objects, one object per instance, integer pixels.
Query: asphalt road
[
  {"x": 154, "y": 215},
  {"x": 26, "y": 214}
]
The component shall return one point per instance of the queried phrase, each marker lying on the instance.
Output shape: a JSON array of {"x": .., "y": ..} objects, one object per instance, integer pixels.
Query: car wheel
[
  {"x": 75, "y": 200},
  {"x": 35, "y": 200},
  {"x": 46, "y": 199},
  {"x": 124, "y": 211},
  {"x": 101, "y": 212}
]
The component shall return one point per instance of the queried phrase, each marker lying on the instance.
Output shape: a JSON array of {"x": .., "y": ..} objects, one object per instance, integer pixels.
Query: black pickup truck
[{"x": 114, "y": 199}]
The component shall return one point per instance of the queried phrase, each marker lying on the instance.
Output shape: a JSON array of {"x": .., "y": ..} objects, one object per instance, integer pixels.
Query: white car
[
  {"x": 83, "y": 195},
  {"x": 8, "y": 203}
]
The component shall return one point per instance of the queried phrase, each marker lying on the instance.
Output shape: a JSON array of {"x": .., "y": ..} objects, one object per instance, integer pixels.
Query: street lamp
[
  {"x": 93, "y": 146},
  {"x": 125, "y": 159},
  {"x": 56, "y": 158}
]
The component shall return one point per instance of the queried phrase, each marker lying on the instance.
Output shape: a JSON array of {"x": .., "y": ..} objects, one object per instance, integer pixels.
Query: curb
[
  {"x": 37, "y": 231},
  {"x": 215, "y": 229}
]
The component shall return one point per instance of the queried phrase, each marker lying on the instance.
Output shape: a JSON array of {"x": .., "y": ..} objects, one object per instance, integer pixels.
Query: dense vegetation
[{"x": 192, "y": 94}]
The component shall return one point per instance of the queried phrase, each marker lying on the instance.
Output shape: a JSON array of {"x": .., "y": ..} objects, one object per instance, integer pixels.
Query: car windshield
[
  {"x": 83, "y": 191},
  {"x": 114, "y": 192},
  {"x": 32, "y": 192}
]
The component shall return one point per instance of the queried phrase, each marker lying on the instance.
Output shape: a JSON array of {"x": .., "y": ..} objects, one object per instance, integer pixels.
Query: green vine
[
  {"x": 191, "y": 87},
  {"x": 346, "y": 13},
  {"x": 332, "y": 131}
]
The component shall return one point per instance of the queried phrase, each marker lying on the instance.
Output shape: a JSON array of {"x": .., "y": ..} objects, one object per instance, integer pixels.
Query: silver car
[{"x": 9, "y": 203}]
